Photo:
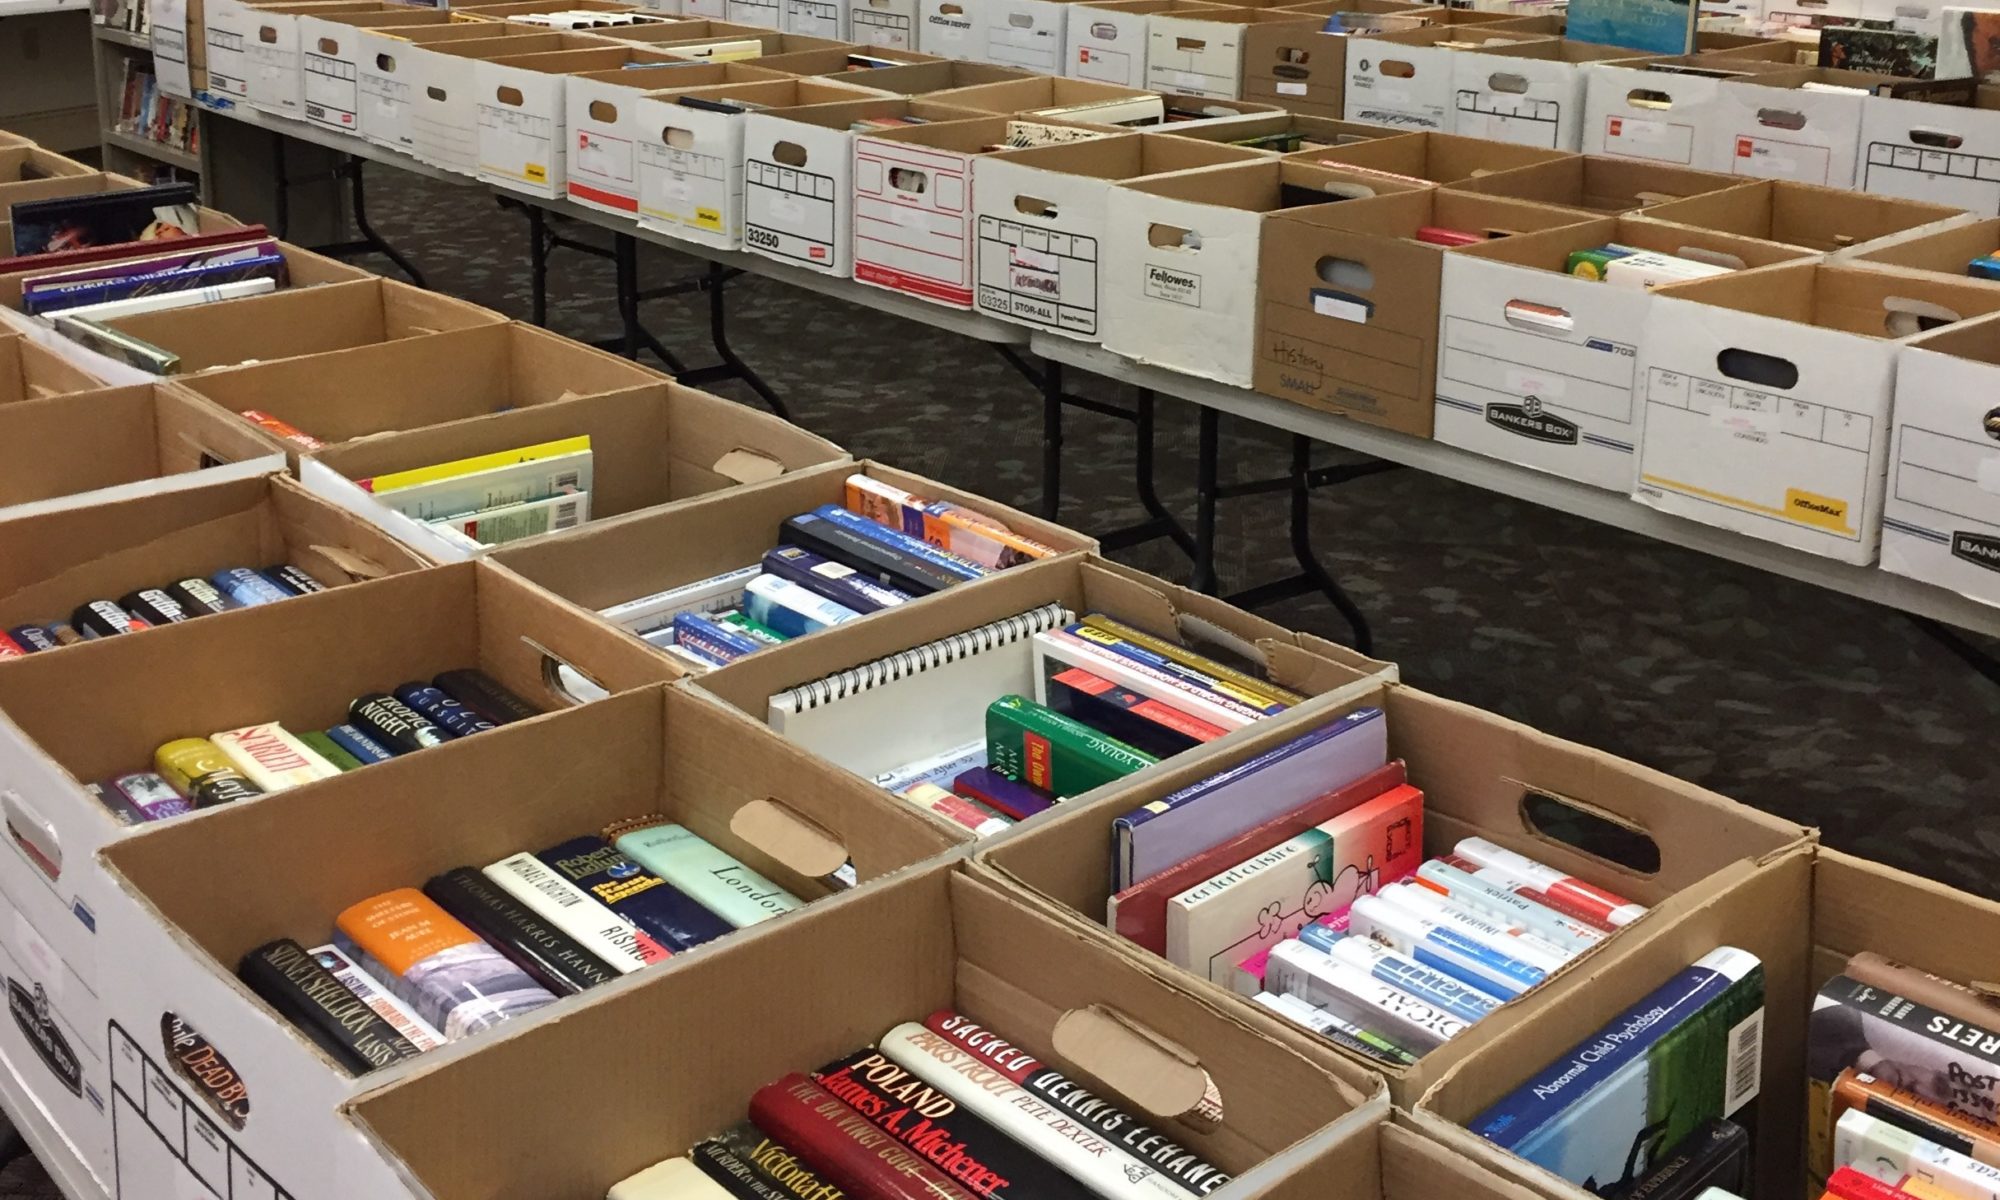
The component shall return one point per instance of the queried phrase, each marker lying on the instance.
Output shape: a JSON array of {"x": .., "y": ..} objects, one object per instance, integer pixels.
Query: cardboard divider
[
  {"x": 297, "y": 322},
  {"x": 1606, "y": 185},
  {"x": 30, "y": 372},
  {"x": 1348, "y": 299},
  {"x": 1947, "y": 250},
  {"x": 1438, "y": 157},
  {"x": 96, "y": 446},
  {"x": 1478, "y": 772},
  {"x": 698, "y": 1042},
  {"x": 27, "y": 164},
  {"x": 1282, "y": 132},
  {"x": 651, "y": 445},
  {"x": 1799, "y": 214},
  {"x": 1394, "y": 1161}
]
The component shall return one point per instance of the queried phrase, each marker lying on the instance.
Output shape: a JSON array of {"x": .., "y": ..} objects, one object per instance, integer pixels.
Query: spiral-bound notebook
[{"x": 884, "y": 714}]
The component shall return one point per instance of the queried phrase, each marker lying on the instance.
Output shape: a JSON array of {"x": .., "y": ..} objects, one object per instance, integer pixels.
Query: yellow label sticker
[
  {"x": 1823, "y": 512},
  {"x": 708, "y": 218},
  {"x": 536, "y": 173}
]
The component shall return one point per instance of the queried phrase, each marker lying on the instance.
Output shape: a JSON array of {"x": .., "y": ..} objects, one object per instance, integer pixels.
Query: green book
[
  {"x": 329, "y": 750},
  {"x": 756, "y": 629},
  {"x": 713, "y": 879},
  {"x": 1044, "y": 749}
]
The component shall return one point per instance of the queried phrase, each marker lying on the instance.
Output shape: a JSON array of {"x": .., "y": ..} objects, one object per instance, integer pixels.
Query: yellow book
[{"x": 466, "y": 466}]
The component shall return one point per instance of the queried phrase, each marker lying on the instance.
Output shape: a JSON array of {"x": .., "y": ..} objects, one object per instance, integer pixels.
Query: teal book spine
[{"x": 707, "y": 874}]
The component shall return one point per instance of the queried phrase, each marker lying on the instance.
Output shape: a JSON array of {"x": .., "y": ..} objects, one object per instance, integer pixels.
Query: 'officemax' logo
[
  {"x": 1977, "y": 549},
  {"x": 1528, "y": 420},
  {"x": 202, "y": 1065},
  {"x": 31, "y": 1013}
]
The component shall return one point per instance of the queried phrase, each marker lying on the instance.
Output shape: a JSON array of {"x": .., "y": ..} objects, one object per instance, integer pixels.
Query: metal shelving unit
[{"x": 111, "y": 48}]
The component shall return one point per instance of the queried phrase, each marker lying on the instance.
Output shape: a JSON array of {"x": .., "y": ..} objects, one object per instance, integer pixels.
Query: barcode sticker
[
  {"x": 1746, "y": 1063},
  {"x": 833, "y": 570},
  {"x": 568, "y": 480},
  {"x": 566, "y": 515}
]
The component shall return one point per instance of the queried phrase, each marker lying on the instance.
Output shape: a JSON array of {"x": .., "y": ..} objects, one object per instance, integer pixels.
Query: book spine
[
  {"x": 1500, "y": 934},
  {"x": 1850, "y": 1184},
  {"x": 1252, "y": 701},
  {"x": 329, "y": 750},
  {"x": 272, "y": 758},
  {"x": 1237, "y": 774},
  {"x": 466, "y": 466},
  {"x": 843, "y": 1145},
  {"x": 1074, "y": 1146},
  {"x": 791, "y": 609},
  {"x": 955, "y": 808},
  {"x": 1445, "y": 949},
  {"x": 1387, "y": 966},
  {"x": 441, "y": 710},
  {"x": 395, "y": 724},
  {"x": 155, "y": 607},
  {"x": 1605, "y": 905},
  {"x": 484, "y": 695},
  {"x": 947, "y": 526},
  {"x": 756, "y": 629},
  {"x": 999, "y": 793},
  {"x": 712, "y": 638},
  {"x": 1879, "y": 1149},
  {"x": 1945, "y": 995},
  {"x": 647, "y": 613},
  {"x": 1137, "y": 720},
  {"x": 1338, "y": 1030},
  {"x": 1046, "y": 750},
  {"x": 944, "y": 560},
  {"x": 199, "y": 770},
  {"x": 400, "y": 1016},
  {"x": 750, "y": 1164},
  {"x": 548, "y": 956},
  {"x": 602, "y": 871},
  {"x": 673, "y": 1179},
  {"x": 102, "y": 618},
  {"x": 455, "y": 981},
  {"x": 966, "y": 1148},
  {"x": 199, "y": 596},
  {"x": 1491, "y": 900},
  {"x": 1961, "y": 1070},
  {"x": 1322, "y": 980},
  {"x": 604, "y": 933},
  {"x": 836, "y": 582},
  {"x": 1150, "y": 1147},
  {"x": 246, "y": 587},
  {"x": 1061, "y": 646},
  {"x": 364, "y": 748},
  {"x": 286, "y": 974},
  {"x": 712, "y": 878},
  {"x": 894, "y": 568}
]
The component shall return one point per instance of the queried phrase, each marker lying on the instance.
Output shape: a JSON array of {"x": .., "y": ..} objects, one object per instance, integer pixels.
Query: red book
[
  {"x": 848, "y": 1149},
  {"x": 97, "y": 254},
  {"x": 1139, "y": 913},
  {"x": 1850, "y": 1184}
]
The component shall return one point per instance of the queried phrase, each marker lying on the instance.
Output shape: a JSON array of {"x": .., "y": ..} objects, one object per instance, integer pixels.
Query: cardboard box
[
  {"x": 1768, "y": 398},
  {"x": 1105, "y": 41},
  {"x": 917, "y": 72},
  {"x": 244, "y": 46},
  {"x": 1939, "y": 153},
  {"x": 523, "y": 121},
  {"x": 650, "y": 446},
  {"x": 94, "y": 447},
  {"x": 275, "y": 53},
  {"x": 1947, "y": 250},
  {"x": 56, "y": 186},
  {"x": 1540, "y": 367},
  {"x": 1437, "y": 157},
  {"x": 303, "y": 268},
  {"x": 1664, "y": 116},
  {"x": 30, "y": 163},
  {"x": 1405, "y": 80},
  {"x": 928, "y": 940},
  {"x": 691, "y": 155},
  {"x": 419, "y": 100},
  {"x": 331, "y": 49},
  {"x": 913, "y": 197},
  {"x": 1306, "y": 69},
  {"x": 1765, "y": 127},
  {"x": 378, "y": 387},
  {"x": 1482, "y": 776},
  {"x": 1530, "y": 95},
  {"x": 1817, "y": 218},
  {"x": 891, "y": 23},
  {"x": 606, "y": 132},
  {"x": 798, "y": 178},
  {"x": 1348, "y": 300},
  {"x": 1065, "y": 97},
  {"x": 1394, "y": 1163},
  {"x": 513, "y": 10},
  {"x": 1202, "y": 53},
  {"x": 731, "y": 46},
  {"x": 30, "y": 372},
  {"x": 1941, "y": 513},
  {"x": 1605, "y": 185},
  {"x": 1082, "y": 585},
  {"x": 675, "y": 33},
  {"x": 1281, "y": 132},
  {"x": 1180, "y": 258},
  {"x": 626, "y": 558},
  {"x": 1014, "y": 33},
  {"x": 1041, "y": 221},
  {"x": 301, "y": 321}
]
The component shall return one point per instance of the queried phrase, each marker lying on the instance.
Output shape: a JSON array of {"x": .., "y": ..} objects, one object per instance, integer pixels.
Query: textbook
[
  {"x": 1460, "y": 952},
  {"x": 1567, "y": 892},
  {"x": 955, "y": 564},
  {"x": 1268, "y": 692},
  {"x": 835, "y": 581},
  {"x": 1135, "y": 719},
  {"x": 790, "y": 608},
  {"x": 1052, "y": 753},
  {"x": 951, "y": 527},
  {"x": 1253, "y": 701},
  {"x": 503, "y": 523},
  {"x": 1689, "y": 1052},
  {"x": 1881, "y": 1151},
  {"x": 400, "y": 480},
  {"x": 899, "y": 568},
  {"x": 1354, "y": 994},
  {"x": 1059, "y": 650},
  {"x": 1177, "y": 827},
  {"x": 647, "y": 613},
  {"x": 1338, "y": 1030}
]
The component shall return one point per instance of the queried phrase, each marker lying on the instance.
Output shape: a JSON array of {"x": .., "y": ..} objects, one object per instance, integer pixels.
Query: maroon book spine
[{"x": 845, "y": 1146}]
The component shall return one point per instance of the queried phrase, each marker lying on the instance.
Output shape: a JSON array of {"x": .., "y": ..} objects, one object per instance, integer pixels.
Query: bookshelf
[{"x": 141, "y": 133}]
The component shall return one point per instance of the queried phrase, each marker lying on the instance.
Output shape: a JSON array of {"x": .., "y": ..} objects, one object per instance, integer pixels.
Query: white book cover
[
  {"x": 512, "y": 522},
  {"x": 495, "y": 487},
  {"x": 1057, "y": 651},
  {"x": 647, "y": 613},
  {"x": 1349, "y": 992},
  {"x": 604, "y": 933}
]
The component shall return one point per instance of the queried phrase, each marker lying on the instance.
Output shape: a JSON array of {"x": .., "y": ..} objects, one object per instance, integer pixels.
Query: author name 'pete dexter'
[{"x": 1599, "y": 1049}]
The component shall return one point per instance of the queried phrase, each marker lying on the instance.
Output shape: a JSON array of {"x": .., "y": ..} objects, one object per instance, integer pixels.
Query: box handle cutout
[
  {"x": 1781, "y": 118},
  {"x": 328, "y": 46},
  {"x": 1342, "y": 190},
  {"x": 1936, "y": 138},
  {"x": 1507, "y": 81},
  {"x": 1764, "y": 370},
  {"x": 909, "y": 179},
  {"x": 879, "y": 3},
  {"x": 1172, "y": 237},
  {"x": 1648, "y": 98},
  {"x": 1104, "y": 31},
  {"x": 789, "y": 154},
  {"x": 1591, "y": 830},
  {"x": 354, "y": 566},
  {"x": 603, "y": 110},
  {"x": 1991, "y": 424},
  {"x": 679, "y": 139},
  {"x": 781, "y": 832},
  {"x": 1287, "y": 71},
  {"x": 1714, "y": 258},
  {"x": 1030, "y": 206},
  {"x": 1396, "y": 68},
  {"x": 951, "y": 10},
  {"x": 436, "y": 93},
  {"x": 1187, "y": 43},
  {"x": 33, "y": 833},
  {"x": 1292, "y": 54},
  {"x": 1159, "y": 1076},
  {"x": 1907, "y": 317},
  {"x": 563, "y": 681},
  {"x": 267, "y": 35},
  {"x": 509, "y": 96},
  {"x": 1538, "y": 318},
  {"x": 1345, "y": 273},
  {"x": 384, "y": 62},
  {"x": 1021, "y": 20}
]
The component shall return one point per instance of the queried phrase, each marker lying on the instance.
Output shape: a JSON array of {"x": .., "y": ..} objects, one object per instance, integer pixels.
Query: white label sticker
[
  {"x": 1746, "y": 1063},
  {"x": 41, "y": 956},
  {"x": 1989, "y": 474},
  {"x": 833, "y": 570},
  {"x": 1534, "y": 383},
  {"x": 1744, "y": 421},
  {"x": 1344, "y": 309},
  {"x": 1291, "y": 89},
  {"x": 1189, "y": 80}
]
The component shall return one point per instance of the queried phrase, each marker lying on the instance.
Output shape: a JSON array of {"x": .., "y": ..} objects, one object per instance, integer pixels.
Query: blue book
[
  {"x": 902, "y": 542},
  {"x": 1432, "y": 987},
  {"x": 1650, "y": 26},
  {"x": 247, "y": 587},
  {"x": 837, "y": 582},
  {"x": 1205, "y": 814},
  {"x": 1687, "y": 1053},
  {"x": 359, "y": 744},
  {"x": 790, "y": 610},
  {"x": 712, "y": 639},
  {"x": 609, "y": 875},
  {"x": 178, "y": 279}
]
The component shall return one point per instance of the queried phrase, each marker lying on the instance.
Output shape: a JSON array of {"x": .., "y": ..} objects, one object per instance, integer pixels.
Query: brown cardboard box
[
  {"x": 1606, "y": 185},
  {"x": 1393, "y": 1162},
  {"x": 1800, "y": 214},
  {"x": 1945, "y": 251},
  {"x": 1281, "y": 132},
  {"x": 1481, "y": 775},
  {"x": 66, "y": 447},
  {"x": 627, "y": 558},
  {"x": 13, "y": 141},
  {"x": 653, "y": 33},
  {"x": 771, "y": 43},
  {"x": 303, "y": 268},
  {"x": 55, "y": 186},
  {"x": 56, "y": 561},
  {"x": 918, "y": 78},
  {"x": 1305, "y": 70},
  {"x": 1038, "y": 93},
  {"x": 722, "y": 1026},
  {"x": 302, "y": 321},
  {"x": 1746, "y": 47},
  {"x": 383, "y": 386},
  {"x": 1348, "y": 300},
  {"x": 1439, "y": 157},
  {"x": 30, "y": 372},
  {"x": 23, "y": 164},
  {"x": 516, "y": 8}
]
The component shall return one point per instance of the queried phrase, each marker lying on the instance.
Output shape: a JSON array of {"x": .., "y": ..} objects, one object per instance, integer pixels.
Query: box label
[
  {"x": 1528, "y": 420},
  {"x": 30, "y": 1010},
  {"x": 1825, "y": 512},
  {"x": 1979, "y": 549},
  {"x": 1174, "y": 285}
]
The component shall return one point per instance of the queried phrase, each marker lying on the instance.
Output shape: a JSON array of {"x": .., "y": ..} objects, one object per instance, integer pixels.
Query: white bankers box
[
  {"x": 1770, "y": 127},
  {"x": 1941, "y": 517},
  {"x": 1530, "y": 95},
  {"x": 1943, "y": 153},
  {"x": 1768, "y": 397}
]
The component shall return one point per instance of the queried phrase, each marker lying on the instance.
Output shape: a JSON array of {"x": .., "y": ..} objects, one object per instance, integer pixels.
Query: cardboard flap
[
  {"x": 1158, "y": 1075},
  {"x": 355, "y": 565},
  {"x": 748, "y": 466},
  {"x": 782, "y": 833},
  {"x": 1135, "y": 603}
]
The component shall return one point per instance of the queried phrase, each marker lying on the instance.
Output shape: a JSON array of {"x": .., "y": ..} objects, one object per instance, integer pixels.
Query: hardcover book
[
  {"x": 289, "y": 976},
  {"x": 400, "y": 1016},
  {"x": 711, "y": 877},
  {"x": 105, "y": 219},
  {"x": 603, "y": 872},
  {"x": 612, "y": 938},
  {"x": 1052, "y": 753},
  {"x": 898, "y": 568},
  {"x": 747, "y": 1163},
  {"x": 548, "y": 956},
  {"x": 845, "y": 1146},
  {"x": 456, "y": 982},
  {"x": 1060, "y": 650},
  {"x": 1135, "y": 719},
  {"x": 674, "y": 1179}
]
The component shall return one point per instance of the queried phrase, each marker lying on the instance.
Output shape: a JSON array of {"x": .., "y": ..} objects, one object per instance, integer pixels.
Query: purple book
[
  {"x": 1203, "y": 815},
  {"x": 168, "y": 259},
  {"x": 269, "y": 266}
]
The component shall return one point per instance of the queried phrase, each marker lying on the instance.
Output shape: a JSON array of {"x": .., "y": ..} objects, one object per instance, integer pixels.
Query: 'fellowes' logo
[
  {"x": 31, "y": 1013},
  {"x": 1528, "y": 420},
  {"x": 1978, "y": 549}
]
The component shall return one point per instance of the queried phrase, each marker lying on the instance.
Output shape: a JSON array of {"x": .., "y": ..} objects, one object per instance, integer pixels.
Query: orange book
[
  {"x": 434, "y": 964},
  {"x": 1905, "y": 1109}
]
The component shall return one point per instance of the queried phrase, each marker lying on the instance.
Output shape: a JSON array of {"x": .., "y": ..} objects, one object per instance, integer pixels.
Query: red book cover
[
  {"x": 1850, "y": 1184},
  {"x": 847, "y": 1148},
  {"x": 1167, "y": 717},
  {"x": 1139, "y": 913},
  {"x": 124, "y": 250}
]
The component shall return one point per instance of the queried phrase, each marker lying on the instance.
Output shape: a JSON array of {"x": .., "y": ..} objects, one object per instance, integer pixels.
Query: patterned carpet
[{"x": 1813, "y": 706}]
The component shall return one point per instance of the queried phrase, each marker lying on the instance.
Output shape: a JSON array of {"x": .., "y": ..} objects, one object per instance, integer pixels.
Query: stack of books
[
  {"x": 145, "y": 111},
  {"x": 488, "y": 499},
  {"x": 410, "y": 969},
  {"x": 150, "y": 607},
  {"x": 942, "y": 1110},
  {"x": 204, "y": 771}
]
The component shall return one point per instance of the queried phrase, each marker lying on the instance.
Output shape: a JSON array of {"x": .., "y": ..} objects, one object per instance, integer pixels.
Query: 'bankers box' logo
[
  {"x": 1528, "y": 420},
  {"x": 1981, "y": 550},
  {"x": 31, "y": 1013},
  {"x": 202, "y": 1065}
]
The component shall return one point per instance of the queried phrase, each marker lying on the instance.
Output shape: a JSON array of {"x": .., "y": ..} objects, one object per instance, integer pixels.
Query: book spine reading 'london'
[{"x": 843, "y": 1145}]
